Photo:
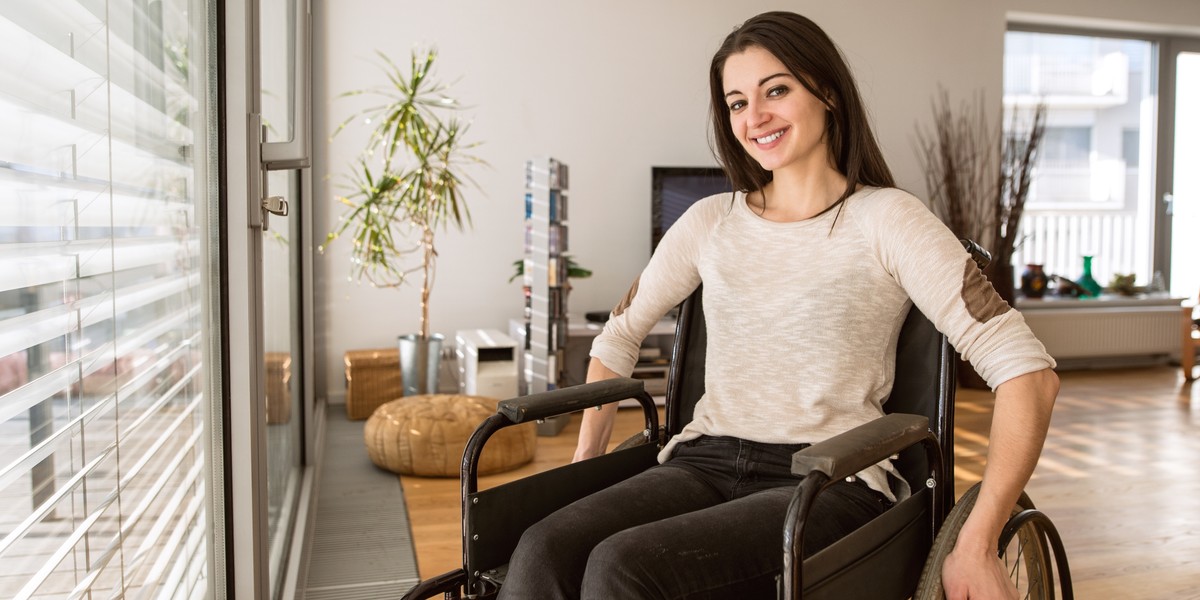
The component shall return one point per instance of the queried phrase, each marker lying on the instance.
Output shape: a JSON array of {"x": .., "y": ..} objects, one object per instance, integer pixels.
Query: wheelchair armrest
[
  {"x": 568, "y": 400},
  {"x": 848, "y": 453}
]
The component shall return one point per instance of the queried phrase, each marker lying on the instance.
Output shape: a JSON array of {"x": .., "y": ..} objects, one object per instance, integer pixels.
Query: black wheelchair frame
[{"x": 883, "y": 559}]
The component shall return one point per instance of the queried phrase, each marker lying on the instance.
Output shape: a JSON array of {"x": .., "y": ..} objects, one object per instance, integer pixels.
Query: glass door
[
  {"x": 282, "y": 373},
  {"x": 1182, "y": 195},
  {"x": 266, "y": 136},
  {"x": 281, "y": 283}
]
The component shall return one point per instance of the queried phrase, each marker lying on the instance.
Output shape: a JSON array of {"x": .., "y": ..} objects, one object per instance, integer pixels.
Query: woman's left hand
[
  {"x": 1019, "y": 424},
  {"x": 977, "y": 576}
]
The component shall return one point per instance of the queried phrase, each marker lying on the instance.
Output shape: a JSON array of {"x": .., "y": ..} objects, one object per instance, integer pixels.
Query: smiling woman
[{"x": 794, "y": 308}]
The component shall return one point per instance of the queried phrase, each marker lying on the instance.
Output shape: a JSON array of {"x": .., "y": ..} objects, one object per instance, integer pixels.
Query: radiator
[{"x": 1083, "y": 335}]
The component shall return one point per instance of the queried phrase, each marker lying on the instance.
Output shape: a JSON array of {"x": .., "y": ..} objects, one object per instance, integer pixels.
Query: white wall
[{"x": 611, "y": 88}]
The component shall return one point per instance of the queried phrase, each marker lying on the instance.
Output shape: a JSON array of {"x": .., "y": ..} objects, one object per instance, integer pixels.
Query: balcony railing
[{"x": 1117, "y": 240}]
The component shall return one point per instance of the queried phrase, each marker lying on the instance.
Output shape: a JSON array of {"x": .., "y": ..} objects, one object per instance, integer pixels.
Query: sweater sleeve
[
  {"x": 942, "y": 280},
  {"x": 670, "y": 276}
]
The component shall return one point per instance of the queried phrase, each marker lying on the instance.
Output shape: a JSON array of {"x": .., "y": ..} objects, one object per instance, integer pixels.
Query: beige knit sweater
[{"x": 802, "y": 318}]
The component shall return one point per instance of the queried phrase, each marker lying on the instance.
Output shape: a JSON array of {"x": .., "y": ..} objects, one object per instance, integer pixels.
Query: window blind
[{"x": 103, "y": 299}]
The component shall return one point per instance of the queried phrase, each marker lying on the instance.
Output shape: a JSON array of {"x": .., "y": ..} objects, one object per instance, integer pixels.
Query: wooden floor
[{"x": 1120, "y": 478}]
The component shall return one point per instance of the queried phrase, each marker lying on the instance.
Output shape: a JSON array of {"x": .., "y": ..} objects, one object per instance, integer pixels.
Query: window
[
  {"x": 103, "y": 299},
  {"x": 1089, "y": 195},
  {"x": 1067, "y": 147},
  {"x": 1131, "y": 148}
]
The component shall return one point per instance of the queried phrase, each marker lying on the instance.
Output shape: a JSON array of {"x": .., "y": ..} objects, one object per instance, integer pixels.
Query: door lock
[{"x": 275, "y": 205}]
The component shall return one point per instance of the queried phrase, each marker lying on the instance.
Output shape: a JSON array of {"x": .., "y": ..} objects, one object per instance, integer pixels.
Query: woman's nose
[{"x": 755, "y": 115}]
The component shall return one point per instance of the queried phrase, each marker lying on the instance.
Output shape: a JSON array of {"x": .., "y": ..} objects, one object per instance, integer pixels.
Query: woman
[{"x": 808, "y": 271}]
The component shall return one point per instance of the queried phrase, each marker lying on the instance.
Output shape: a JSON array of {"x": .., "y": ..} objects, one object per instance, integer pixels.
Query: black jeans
[{"x": 708, "y": 523}]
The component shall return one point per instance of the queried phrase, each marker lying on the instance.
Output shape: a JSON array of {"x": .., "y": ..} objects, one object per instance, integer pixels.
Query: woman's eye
[
  {"x": 736, "y": 105},
  {"x": 778, "y": 90}
]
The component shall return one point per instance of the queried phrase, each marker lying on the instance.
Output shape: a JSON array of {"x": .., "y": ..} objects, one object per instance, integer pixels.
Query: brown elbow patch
[
  {"x": 981, "y": 298},
  {"x": 628, "y": 299}
]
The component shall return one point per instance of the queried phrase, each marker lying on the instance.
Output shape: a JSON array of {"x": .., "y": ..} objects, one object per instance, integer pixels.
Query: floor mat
[{"x": 362, "y": 544}]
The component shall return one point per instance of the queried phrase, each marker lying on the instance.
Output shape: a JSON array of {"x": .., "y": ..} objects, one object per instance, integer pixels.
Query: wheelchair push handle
[
  {"x": 568, "y": 400},
  {"x": 981, "y": 257}
]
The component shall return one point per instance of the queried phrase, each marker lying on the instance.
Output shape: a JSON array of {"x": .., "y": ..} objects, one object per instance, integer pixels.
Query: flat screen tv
[{"x": 674, "y": 189}]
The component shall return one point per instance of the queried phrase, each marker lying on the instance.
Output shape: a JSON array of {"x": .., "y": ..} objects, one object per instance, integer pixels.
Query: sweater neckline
[{"x": 743, "y": 202}]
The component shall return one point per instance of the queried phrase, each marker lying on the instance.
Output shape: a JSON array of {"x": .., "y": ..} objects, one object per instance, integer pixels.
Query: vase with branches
[
  {"x": 978, "y": 176},
  {"x": 406, "y": 186}
]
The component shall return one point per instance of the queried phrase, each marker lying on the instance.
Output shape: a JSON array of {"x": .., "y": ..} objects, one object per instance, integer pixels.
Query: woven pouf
[{"x": 426, "y": 435}]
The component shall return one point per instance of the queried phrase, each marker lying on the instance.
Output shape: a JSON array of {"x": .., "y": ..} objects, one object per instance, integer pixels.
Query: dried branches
[
  {"x": 978, "y": 176},
  {"x": 959, "y": 158},
  {"x": 1018, "y": 159}
]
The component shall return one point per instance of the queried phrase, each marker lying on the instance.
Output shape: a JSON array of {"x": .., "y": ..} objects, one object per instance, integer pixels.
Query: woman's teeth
[{"x": 770, "y": 138}]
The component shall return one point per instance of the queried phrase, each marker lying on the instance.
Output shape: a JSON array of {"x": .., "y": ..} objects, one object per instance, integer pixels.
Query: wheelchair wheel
[{"x": 1027, "y": 556}]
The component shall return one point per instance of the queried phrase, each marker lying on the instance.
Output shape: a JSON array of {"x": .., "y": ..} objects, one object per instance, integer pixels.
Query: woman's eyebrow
[{"x": 760, "y": 82}]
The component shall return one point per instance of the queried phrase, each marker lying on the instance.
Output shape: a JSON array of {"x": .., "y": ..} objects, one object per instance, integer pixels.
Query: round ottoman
[{"x": 425, "y": 435}]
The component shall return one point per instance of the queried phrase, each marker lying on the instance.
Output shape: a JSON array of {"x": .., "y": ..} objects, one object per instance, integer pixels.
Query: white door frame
[{"x": 1170, "y": 47}]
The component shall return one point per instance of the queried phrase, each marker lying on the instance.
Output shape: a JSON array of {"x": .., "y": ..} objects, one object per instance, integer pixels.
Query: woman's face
[{"x": 773, "y": 116}]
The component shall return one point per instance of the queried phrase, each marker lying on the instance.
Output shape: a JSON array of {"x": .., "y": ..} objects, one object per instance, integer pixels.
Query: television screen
[{"x": 674, "y": 189}]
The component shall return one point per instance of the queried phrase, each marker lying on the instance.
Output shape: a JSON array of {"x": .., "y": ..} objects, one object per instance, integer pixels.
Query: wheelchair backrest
[{"x": 924, "y": 381}]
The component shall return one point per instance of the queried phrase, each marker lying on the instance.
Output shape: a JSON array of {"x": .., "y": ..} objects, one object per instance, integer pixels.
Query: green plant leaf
[{"x": 574, "y": 271}]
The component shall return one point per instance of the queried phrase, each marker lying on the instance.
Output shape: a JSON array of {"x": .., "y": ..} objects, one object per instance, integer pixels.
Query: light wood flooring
[{"x": 1120, "y": 478}]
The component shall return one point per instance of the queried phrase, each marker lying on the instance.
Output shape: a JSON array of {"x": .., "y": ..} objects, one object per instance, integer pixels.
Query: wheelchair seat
[{"x": 883, "y": 559}]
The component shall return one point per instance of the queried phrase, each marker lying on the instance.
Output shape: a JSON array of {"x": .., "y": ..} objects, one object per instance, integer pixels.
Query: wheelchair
[{"x": 895, "y": 556}]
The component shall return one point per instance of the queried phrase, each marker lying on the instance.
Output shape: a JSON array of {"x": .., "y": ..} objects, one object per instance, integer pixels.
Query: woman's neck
[{"x": 796, "y": 196}]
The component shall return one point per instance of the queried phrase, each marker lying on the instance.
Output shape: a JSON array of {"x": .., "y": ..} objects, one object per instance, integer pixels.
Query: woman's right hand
[{"x": 597, "y": 425}]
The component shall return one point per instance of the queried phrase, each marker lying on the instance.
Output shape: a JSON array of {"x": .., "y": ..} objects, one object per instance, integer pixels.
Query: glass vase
[{"x": 1089, "y": 284}]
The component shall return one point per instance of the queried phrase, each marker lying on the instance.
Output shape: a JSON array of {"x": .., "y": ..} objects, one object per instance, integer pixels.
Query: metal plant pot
[{"x": 419, "y": 362}]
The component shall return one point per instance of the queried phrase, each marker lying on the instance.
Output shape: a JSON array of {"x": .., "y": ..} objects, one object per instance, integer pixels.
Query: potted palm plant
[{"x": 405, "y": 187}]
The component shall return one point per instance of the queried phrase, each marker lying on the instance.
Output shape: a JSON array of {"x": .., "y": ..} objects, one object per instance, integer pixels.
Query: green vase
[{"x": 1089, "y": 284}]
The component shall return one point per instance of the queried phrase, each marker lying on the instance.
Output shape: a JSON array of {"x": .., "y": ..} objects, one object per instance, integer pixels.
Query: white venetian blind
[{"x": 102, "y": 367}]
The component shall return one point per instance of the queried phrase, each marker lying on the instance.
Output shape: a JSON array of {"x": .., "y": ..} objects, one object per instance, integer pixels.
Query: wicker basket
[{"x": 372, "y": 378}]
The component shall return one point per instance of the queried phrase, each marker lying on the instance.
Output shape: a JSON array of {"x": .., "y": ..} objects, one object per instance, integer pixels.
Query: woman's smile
[{"x": 768, "y": 141}]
